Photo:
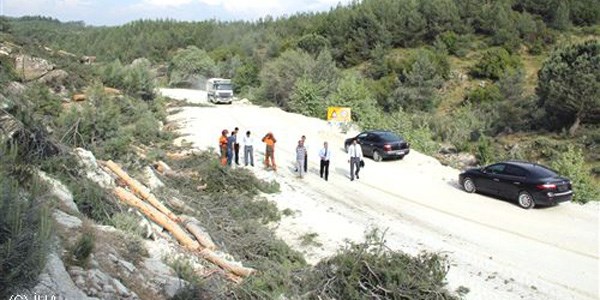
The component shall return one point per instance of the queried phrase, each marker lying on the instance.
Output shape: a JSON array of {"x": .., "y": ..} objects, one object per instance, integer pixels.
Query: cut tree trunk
[
  {"x": 195, "y": 228},
  {"x": 158, "y": 217},
  {"x": 575, "y": 126},
  {"x": 141, "y": 190},
  {"x": 180, "y": 234}
]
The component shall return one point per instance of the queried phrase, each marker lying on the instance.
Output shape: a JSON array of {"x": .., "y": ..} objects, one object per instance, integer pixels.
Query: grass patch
[
  {"x": 80, "y": 251},
  {"x": 310, "y": 239},
  {"x": 25, "y": 229}
]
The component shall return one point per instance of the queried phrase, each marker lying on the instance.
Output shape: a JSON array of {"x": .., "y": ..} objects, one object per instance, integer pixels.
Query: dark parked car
[
  {"x": 380, "y": 144},
  {"x": 526, "y": 182}
]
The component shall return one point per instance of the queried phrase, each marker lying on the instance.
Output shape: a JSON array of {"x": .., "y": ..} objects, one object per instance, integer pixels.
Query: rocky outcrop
[
  {"x": 56, "y": 281},
  {"x": 60, "y": 191},
  {"x": 96, "y": 283},
  {"x": 459, "y": 161},
  {"x": 14, "y": 89},
  {"x": 54, "y": 77},
  {"x": 65, "y": 220},
  {"x": 92, "y": 170},
  {"x": 150, "y": 179},
  {"x": 30, "y": 68}
]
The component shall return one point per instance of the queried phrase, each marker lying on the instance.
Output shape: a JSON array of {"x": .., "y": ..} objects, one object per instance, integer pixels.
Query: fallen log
[
  {"x": 179, "y": 234},
  {"x": 195, "y": 228},
  {"x": 163, "y": 168},
  {"x": 79, "y": 97},
  {"x": 226, "y": 265},
  {"x": 141, "y": 190},
  {"x": 158, "y": 217}
]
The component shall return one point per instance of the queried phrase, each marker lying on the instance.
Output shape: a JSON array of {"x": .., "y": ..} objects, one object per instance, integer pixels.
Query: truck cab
[{"x": 219, "y": 90}]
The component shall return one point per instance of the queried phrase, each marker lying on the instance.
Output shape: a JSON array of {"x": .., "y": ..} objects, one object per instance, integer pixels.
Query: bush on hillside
[
  {"x": 569, "y": 87},
  {"x": 490, "y": 93},
  {"x": 370, "y": 268},
  {"x": 25, "y": 228},
  {"x": 571, "y": 164},
  {"x": 494, "y": 63}
]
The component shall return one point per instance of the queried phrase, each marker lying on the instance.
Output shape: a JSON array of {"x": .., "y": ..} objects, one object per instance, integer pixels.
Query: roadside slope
[{"x": 497, "y": 250}]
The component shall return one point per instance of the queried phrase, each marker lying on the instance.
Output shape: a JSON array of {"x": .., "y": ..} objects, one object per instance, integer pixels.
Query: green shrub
[
  {"x": 370, "y": 268},
  {"x": 494, "y": 63},
  {"x": 82, "y": 248},
  {"x": 490, "y": 93},
  {"x": 25, "y": 230},
  {"x": 93, "y": 201},
  {"x": 128, "y": 223},
  {"x": 571, "y": 164}
]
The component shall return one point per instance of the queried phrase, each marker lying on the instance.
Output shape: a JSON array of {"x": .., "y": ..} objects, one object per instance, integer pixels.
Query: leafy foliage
[
  {"x": 571, "y": 164},
  {"x": 569, "y": 86},
  {"x": 369, "y": 268},
  {"x": 494, "y": 63},
  {"x": 189, "y": 65},
  {"x": 25, "y": 227}
]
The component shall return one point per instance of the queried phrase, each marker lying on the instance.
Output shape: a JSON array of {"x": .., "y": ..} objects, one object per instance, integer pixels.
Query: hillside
[
  {"x": 424, "y": 58},
  {"x": 466, "y": 82}
]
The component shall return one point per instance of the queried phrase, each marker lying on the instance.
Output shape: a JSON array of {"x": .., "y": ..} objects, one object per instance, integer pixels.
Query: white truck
[{"x": 219, "y": 90}]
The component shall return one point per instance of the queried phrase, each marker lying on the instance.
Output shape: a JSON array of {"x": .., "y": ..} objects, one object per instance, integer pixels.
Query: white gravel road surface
[{"x": 496, "y": 249}]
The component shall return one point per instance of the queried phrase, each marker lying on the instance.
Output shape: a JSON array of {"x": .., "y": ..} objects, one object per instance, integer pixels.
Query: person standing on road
[
  {"x": 305, "y": 166},
  {"x": 236, "y": 147},
  {"x": 356, "y": 155},
  {"x": 300, "y": 158},
  {"x": 270, "y": 141},
  {"x": 325, "y": 156},
  {"x": 230, "y": 146},
  {"x": 223, "y": 146},
  {"x": 248, "y": 149}
]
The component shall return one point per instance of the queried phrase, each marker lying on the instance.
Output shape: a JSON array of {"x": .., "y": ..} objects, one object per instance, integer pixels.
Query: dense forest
[{"x": 499, "y": 79}]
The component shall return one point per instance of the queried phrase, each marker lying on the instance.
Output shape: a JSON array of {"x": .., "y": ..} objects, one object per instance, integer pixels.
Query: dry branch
[{"x": 141, "y": 190}]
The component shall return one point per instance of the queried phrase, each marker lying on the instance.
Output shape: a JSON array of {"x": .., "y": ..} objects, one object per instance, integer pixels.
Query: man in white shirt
[
  {"x": 356, "y": 155},
  {"x": 248, "y": 149},
  {"x": 325, "y": 155}
]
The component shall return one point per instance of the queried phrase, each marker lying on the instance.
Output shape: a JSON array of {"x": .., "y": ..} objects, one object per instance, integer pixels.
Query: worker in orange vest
[
  {"x": 223, "y": 146},
  {"x": 270, "y": 141}
]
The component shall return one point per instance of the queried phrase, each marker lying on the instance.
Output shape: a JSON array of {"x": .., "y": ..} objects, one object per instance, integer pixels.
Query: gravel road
[{"x": 496, "y": 249}]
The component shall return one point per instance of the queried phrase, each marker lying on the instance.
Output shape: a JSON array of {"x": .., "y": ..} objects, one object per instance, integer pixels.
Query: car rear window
[
  {"x": 389, "y": 137},
  {"x": 542, "y": 172}
]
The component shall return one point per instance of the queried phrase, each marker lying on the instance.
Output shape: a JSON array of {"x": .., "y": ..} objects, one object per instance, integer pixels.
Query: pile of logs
[{"x": 139, "y": 196}]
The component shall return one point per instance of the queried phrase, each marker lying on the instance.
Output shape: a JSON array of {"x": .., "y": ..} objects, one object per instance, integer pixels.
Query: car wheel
[
  {"x": 400, "y": 157},
  {"x": 377, "y": 156},
  {"x": 525, "y": 200},
  {"x": 469, "y": 185}
]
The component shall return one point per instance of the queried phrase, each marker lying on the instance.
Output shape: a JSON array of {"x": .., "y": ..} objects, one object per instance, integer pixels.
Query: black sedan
[
  {"x": 380, "y": 144},
  {"x": 527, "y": 183}
]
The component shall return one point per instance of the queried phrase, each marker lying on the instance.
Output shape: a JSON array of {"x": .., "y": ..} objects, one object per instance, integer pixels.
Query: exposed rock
[
  {"x": 173, "y": 285},
  {"x": 66, "y": 220},
  {"x": 5, "y": 103},
  {"x": 92, "y": 170},
  {"x": 30, "y": 68},
  {"x": 9, "y": 125},
  {"x": 54, "y": 77},
  {"x": 55, "y": 280},
  {"x": 459, "y": 160},
  {"x": 244, "y": 101},
  {"x": 88, "y": 60},
  {"x": 151, "y": 180},
  {"x": 60, "y": 191},
  {"x": 447, "y": 149},
  {"x": 14, "y": 88},
  {"x": 96, "y": 283}
]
